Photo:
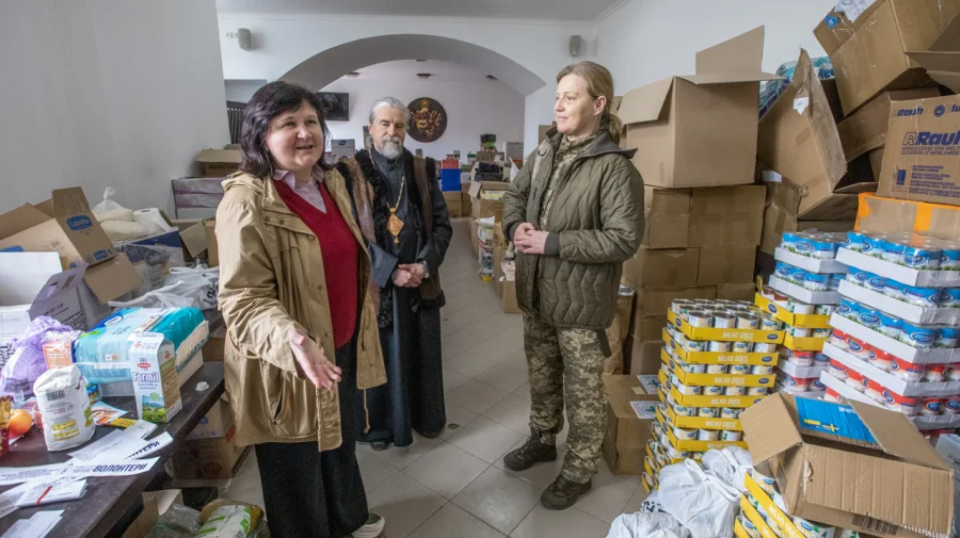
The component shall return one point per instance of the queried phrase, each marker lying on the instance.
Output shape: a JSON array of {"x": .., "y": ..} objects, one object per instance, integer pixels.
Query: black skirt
[{"x": 313, "y": 494}]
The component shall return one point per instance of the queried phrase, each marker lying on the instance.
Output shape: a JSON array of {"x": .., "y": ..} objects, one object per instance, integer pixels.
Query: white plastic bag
[
  {"x": 63, "y": 402},
  {"x": 202, "y": 283},
  {"x": 700, "y": 501},
  {"x": 641, "y": 525},
  {"x": 108, "y": 210},
  {"x": 175, "y": 295},
  {"x": 730, "y": 465}
]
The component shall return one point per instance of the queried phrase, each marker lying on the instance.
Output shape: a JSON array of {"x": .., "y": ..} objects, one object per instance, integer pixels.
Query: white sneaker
[{"x": 373, "y": 528}]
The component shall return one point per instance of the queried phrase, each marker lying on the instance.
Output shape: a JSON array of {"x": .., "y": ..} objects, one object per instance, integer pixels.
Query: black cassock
[{"x": 409, "y": 327}]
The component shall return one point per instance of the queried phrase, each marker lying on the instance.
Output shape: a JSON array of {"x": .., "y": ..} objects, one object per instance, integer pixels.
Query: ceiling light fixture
[
  {"x": 491, "y": 77},
  {"x": 353, "y": 74},
  {"x": 424, "y": 75}
]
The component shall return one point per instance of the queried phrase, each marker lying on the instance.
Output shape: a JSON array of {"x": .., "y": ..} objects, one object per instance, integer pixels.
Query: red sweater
[{"x": 340, "y": 258}]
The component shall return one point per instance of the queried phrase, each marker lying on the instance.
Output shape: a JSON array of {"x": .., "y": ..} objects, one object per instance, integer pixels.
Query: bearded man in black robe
[{"x": 403, "y": 215}]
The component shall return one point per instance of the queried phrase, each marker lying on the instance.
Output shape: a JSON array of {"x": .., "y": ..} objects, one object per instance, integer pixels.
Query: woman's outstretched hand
[{"x": 311, "y": 358}]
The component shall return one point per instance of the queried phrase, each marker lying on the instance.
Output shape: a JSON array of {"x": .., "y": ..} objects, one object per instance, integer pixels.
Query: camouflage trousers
[{"x": 566, "y": 367}]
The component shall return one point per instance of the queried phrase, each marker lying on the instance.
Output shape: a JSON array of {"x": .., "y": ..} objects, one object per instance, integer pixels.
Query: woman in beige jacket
[{"x": 302, "y": 341}]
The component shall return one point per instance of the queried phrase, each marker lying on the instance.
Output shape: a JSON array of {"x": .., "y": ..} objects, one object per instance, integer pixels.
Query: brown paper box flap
[
  {"x": 195, "y": 238},
  {"x": 110, "y": 279},
  {"x": 943, "y": 67},
  {"x": 897, "y": 436},
  {"x": 220, "y": 156},
  {"x": 803, "y": 146},
  {"x": 69, "y": 202},
  {"x": 20, "y": 219},
  {"x": 742, "y": 53},
  {"x": 729, "y": 78},
  {"x": 949, "y": 40},
  {"x": 645, "y": 103},
  {"x": 770, "y": 427}
]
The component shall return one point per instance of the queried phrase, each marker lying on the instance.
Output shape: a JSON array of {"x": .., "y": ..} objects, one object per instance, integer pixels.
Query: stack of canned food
[
  {"x": 912, "y": 295},
  {"x": 755, "y": 520},
  {"x": 806, "y": 366},
  {"x": 813, "y": 244},
  {"x": 917, "y": 375},
  {"x": 718, "y": 360},
  {"x": 808, "y": 280},
  {"x": 911, "y": 334},
  {"x": 908, "y": 249}
]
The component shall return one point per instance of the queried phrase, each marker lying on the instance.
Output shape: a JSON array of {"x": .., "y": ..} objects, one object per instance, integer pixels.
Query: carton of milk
[{"x": 154, "y": 372}]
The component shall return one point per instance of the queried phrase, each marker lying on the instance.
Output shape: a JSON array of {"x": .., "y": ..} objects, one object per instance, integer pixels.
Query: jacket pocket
[{"x": 274, "y": 388}]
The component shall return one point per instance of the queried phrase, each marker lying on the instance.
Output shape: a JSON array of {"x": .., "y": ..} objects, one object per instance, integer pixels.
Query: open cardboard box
[
  {"x": 700, "y": 130},
  {"x": 799, "y": 141},
  {"x": 627, "y": 433},
  {"x": 722, "y": 216},
  {"x": 853, "y": 466}
]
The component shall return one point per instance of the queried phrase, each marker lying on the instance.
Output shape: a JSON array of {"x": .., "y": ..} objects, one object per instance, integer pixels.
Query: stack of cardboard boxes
[
  {"x": 696, "y": 140},
  {"x": 824, "y": 144}
]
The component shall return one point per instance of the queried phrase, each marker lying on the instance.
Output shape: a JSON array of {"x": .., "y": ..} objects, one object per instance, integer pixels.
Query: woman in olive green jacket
[{"x": 575, "y": 214}]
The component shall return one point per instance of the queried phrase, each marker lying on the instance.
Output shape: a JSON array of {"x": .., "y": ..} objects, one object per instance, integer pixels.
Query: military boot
[
  {"x": 531, "y": 453},
  {"x": 562, "y": 494}
]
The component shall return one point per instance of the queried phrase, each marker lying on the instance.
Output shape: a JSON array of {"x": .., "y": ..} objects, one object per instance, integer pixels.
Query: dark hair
[{"x": 269, "y": 102}]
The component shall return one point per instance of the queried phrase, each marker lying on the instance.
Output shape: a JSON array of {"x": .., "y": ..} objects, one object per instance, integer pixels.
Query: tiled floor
[{"x": 457, "y": 485}]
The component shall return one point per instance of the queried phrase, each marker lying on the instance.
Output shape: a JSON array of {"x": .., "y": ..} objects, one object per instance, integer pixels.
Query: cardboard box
[
  {"x": 454, "y": 204},
  {"x": 642, "y": 358},
  {"x": 213, "y": 251},
  {"x": 510, "y": 305},
  {"x": 219, "y": 422},
  {"x": 700, "y": 130},
  {"x": 899, "y": 485},
  {"x": 737, "y": 292},
  {"x": 866, "y": 129},
  {"x": 888, "y": 215},
  {"x": 650, "y": 309},
  {"x": 876, "y": 162},
  {"x": 213, "y": 350},
  {"x": 219, "y": 162},
  {"x": 726, "y": 265},
  {"x": 466, "y": 204},
  {"x": 874, "y": 57},
  {"x": 680, "y": 218},
  {"x": 33, "y": 284},
  {"x": 838, "y": 26},
  {"x": 799, "y": 141},
  {"x": 649, "y": 268},
  {"x": 783, "y": 206},
  {"x": 475, "y": 236},
  {"x": 64, "y": 224},
  {"x": 208, "y": 459},
  {"x": 921, "y": 160},
  {"x": 484, "y": 207},
  {"x": 626, "y": 436},
  {"x": 145, "y": 520}
]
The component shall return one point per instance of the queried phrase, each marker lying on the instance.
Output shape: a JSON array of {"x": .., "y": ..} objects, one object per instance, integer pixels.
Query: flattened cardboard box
[
  {"x": 680, "y": 218},
  {"x": 700, "y": 130},
  {"x": 781, "y": 215},
  {"x": 858, "y": 467},
  {"x": 627, "y": 434},
  {"x": 874, "y": 57},
  {"x": 922, "y": 156}
]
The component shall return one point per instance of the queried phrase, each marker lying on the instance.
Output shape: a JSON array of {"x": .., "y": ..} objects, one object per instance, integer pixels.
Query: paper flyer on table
[
  {"x": 18, "y": 475},
  {"x": 109, "y": 467},
  {"x": 152, "y": 446},
  {"x": 37, "y": 526},
  {"x": 117, "y": 444},
  {"x": 65, "y": 489}
]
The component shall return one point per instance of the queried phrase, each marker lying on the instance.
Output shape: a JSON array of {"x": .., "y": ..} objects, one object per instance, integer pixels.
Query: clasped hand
[
  {"x": 528, "y": 240},
  {"x": 408, "y": 275}
]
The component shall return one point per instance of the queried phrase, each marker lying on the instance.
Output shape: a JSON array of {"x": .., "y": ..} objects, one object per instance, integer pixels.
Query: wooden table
[{"x": 108, "y": 500}]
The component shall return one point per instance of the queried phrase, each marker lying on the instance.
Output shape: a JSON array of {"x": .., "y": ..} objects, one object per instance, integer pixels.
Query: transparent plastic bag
[
  {"x": 200, "y": 282},
  {"x": 27, "y": 363},
  {"x": 177, "y": 522},
  {"x": 176, "y": 295},
  {"x": 229, "y": 519},
  {"x": 699, "y": 500}
]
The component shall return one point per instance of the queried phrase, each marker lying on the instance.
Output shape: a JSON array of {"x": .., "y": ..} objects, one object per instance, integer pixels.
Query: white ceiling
[
  {"x": 565, "y": 10},
  {"x": 408, "y": 69}
]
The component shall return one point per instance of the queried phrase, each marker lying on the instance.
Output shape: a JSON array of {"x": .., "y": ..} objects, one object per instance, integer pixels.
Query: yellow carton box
[
  {"x": 703, "y": 423},
  {"x": 725, "y": 335},
  {"x": 723, "y": 380},
  {"x": 804, "y": 321},
  {"x": 783, "y": 520},
  {"x": 739, "y": 531},
  {"x": 751, "y": 513},
  {"x": 803, "y": 344},
  {"x": 696, "y": 400},
  {"x": 714, "y": 357},
  {"x": 701, "y": 446}
]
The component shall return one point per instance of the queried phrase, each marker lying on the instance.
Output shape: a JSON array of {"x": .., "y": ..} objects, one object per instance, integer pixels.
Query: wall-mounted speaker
[
  {"x": 576, "y": 45},
  {"x": 245, "y": 38}
]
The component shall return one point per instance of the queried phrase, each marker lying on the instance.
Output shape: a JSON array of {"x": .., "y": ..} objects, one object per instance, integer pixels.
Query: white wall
[
  {"x": 242, "y": 90},
  {"x": 282, "y": 42},
  {"x": 648, "y": 40},
  {"x": 107, "y": 93},
  {"x": 472, "y": 109}
]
